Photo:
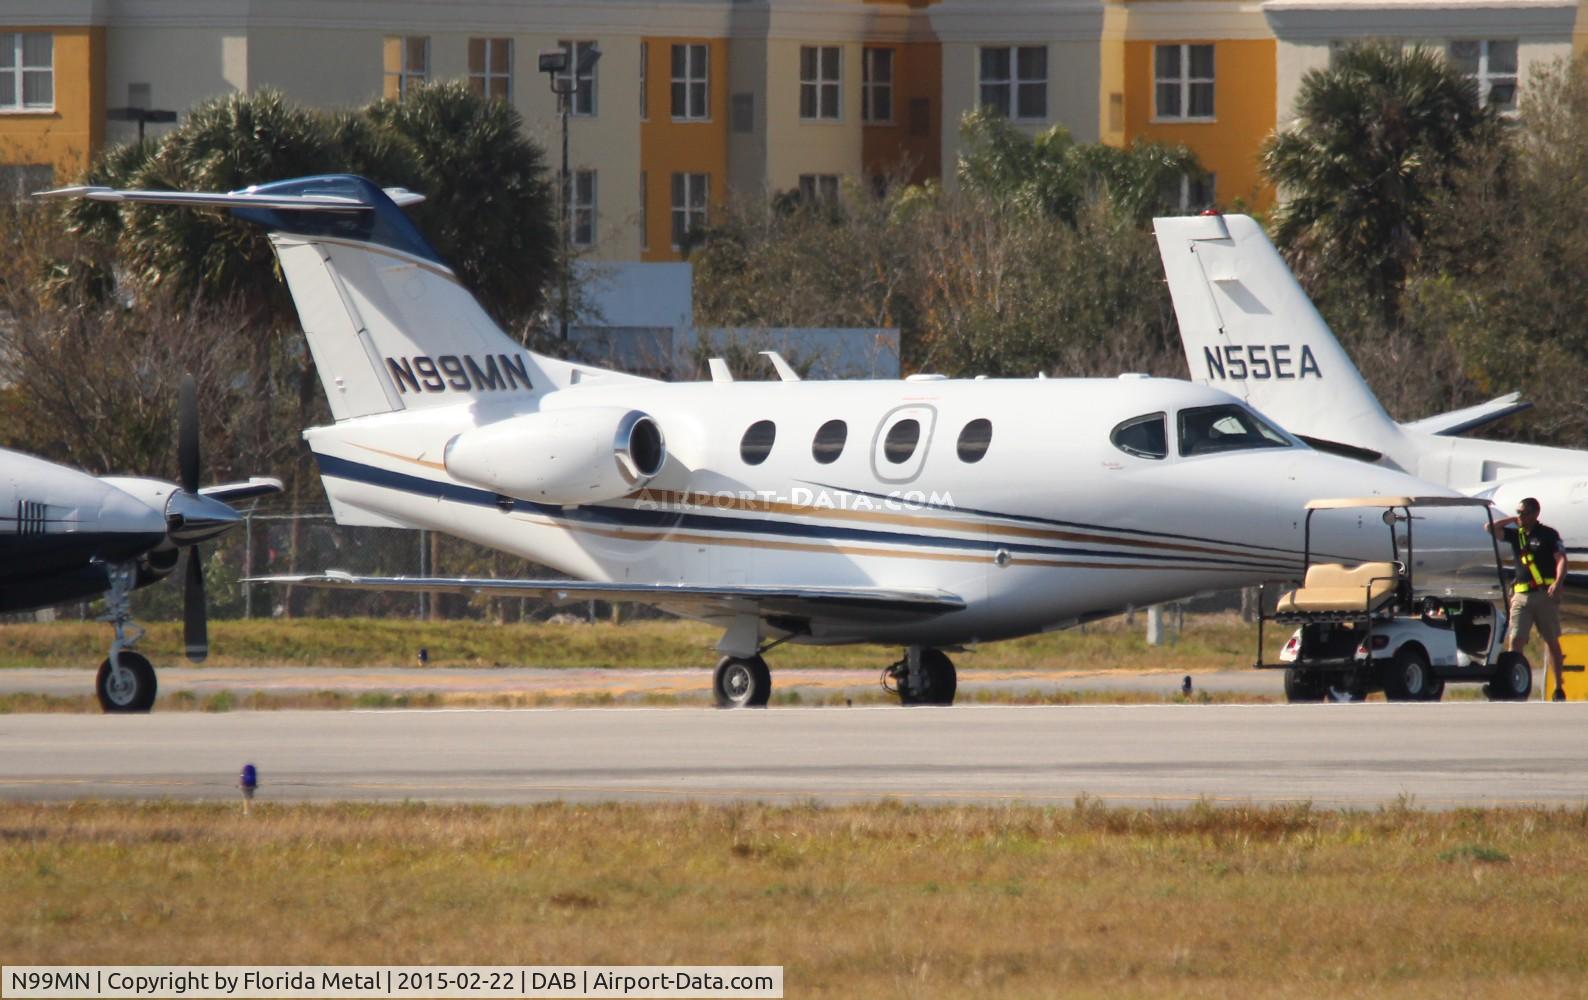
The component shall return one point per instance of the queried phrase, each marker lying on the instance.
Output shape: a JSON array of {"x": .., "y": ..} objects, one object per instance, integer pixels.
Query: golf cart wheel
[
  {"x": 1304, "y": 686},
  {"x": 1513, "y": 681},
  {"x": 1409, "y": 676}
]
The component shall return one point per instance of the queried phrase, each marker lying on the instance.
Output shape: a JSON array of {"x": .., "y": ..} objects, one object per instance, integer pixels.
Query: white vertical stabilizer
[{"x": 1248, "y": 328}]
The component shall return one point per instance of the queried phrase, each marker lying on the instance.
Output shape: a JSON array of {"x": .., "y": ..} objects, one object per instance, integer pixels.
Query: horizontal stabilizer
[
  {"x": 766, "y": 601},
  {"x": 1472, "y": 417},
  {"x": 257, "y": 486},
  {"x": 206, "y": 199}
]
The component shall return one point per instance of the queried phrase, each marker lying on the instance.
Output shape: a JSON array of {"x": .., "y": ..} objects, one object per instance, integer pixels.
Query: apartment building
[{"x": 693, "y": 101}]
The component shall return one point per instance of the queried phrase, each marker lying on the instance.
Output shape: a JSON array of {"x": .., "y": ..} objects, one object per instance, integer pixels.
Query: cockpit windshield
[{"x": 1208, "y": 429}]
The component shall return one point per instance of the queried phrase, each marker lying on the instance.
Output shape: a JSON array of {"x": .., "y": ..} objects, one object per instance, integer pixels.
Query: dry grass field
[
  {"x": 1210, "y": 642},
  {"x": 877, "y": 901}
]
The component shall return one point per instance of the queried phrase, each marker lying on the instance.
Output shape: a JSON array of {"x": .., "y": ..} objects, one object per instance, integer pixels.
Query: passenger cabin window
[
  {"x": 975, "y": 439},
  {"x": 756, "y": 444},
  {"x": 901, "y": 441},
  {"x": 829, "y": 443},
  {"x": 1208, "y": 429},
  {"x": 1144, "y": 437}
]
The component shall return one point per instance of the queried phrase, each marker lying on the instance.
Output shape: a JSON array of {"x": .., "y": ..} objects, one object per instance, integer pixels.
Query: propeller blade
[
  {"x": 188, "y": 433},
  {"x": 195, "y": 615}
]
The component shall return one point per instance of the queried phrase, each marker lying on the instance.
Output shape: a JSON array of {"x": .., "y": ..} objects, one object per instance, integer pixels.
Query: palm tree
[
  {"x": 1054, "y": 175},
  {"x": 490, "y": 210},
  {"x": 1375, "y": 136}
]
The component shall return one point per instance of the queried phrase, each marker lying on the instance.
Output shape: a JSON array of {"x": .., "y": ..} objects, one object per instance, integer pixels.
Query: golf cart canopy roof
[{"x": 1385, "y": 502}]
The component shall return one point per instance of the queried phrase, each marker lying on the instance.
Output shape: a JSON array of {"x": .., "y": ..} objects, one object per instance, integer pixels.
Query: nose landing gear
[{"x": 126, "y": 681}]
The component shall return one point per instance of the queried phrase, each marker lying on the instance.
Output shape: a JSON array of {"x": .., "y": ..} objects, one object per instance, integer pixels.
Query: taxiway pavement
[{"x": 1361, "y": 755}]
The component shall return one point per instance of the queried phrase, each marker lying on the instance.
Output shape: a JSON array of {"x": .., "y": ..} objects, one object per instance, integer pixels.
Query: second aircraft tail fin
[{"x": 1248, "y": 328}]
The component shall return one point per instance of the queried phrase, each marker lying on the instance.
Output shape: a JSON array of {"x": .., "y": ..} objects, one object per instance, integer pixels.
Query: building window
[
  {"x": 407, "y": 64},
  {"x": 1183, "y": 81},
  {"x": 1014, "y": 81},
  {"x": 27, "y": 71},
  {"x": 584, "y": 97},
  {"x": 645, "y": 87},
  {"x": 491, "y": 67},
  {"x": 1492, "y": 64},
  {"x": 1196, "y": 192},
  {"x": 876, "y": 86},
  {"x": 691, "y": 82},
  {"x": 689, "y": 205},
  {"x": 819, "y": 82},
  {"x": 819, "y": 189},
  {"x": 582, "y": 208}
]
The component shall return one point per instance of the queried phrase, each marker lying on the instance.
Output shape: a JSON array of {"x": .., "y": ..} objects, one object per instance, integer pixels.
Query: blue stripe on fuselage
[{"x": 633, "y": 517}]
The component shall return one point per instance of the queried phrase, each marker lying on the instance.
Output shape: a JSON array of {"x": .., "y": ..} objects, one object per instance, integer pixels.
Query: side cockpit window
[
  {"x": 1145, "y": 436},
  {"x": 1208, "y": 429}
]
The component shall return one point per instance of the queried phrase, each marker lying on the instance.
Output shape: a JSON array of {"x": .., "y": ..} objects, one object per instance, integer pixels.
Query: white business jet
[
  {"x": 1248, "y": 328},
  {"x": 929, "y": 513},
  {"x": 68, "y": 536}
]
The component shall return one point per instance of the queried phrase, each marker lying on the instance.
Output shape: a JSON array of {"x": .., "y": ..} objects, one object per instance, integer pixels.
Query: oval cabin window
[
  {"x": 902, "y": 439},
  {"x": 975, "y": 439},
  {"x": 829, "y": 443},
  {"x": 756, "y": 444}
]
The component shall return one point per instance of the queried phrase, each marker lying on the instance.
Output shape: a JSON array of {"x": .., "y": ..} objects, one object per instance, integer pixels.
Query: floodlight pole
[{"x": 554, "y": 62}]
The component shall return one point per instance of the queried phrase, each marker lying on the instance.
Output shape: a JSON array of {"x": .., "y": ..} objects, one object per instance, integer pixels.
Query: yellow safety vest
[{"x": 1525, "y": 557}]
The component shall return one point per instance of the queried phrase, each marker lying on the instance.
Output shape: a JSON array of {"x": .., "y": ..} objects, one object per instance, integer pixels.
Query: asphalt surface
[
  {"x": 203, "y": 681},
  {"x": 1363, "y": 755}
]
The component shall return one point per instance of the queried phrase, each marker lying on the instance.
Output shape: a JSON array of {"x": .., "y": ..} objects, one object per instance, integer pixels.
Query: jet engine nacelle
[{"x": 564, "y": 457}]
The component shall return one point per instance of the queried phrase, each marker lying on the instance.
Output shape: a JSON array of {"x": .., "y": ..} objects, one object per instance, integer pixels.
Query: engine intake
[{"x": 563, "y": 457}]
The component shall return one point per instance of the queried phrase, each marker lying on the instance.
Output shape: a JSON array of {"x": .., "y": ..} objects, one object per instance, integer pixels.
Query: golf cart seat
[{"x": 1335, "y": 589}]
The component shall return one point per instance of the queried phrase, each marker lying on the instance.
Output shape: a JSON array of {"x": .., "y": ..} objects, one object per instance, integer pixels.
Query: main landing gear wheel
[
  {"x": 742, "y": 682},
  {"x": 131, "y": 688},
  {"x": 1514, "y": 682},
  {"x": 933, "y": 682}
]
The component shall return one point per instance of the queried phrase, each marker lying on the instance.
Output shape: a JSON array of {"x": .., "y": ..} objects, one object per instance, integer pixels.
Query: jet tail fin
[
  {"x": 1248, "y": 328},
  {"x": 390, "y": 326}
]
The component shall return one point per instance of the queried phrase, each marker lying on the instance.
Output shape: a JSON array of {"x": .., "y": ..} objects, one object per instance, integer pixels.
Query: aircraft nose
[
  {"x": 191, "y": 518},
  {"x": 123, "y": 514},
  {"x": 1330, "y": 476}
]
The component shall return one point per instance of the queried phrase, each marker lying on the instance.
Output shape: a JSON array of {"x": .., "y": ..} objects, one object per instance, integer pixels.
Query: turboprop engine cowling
[{"x": 565, "y": 457}]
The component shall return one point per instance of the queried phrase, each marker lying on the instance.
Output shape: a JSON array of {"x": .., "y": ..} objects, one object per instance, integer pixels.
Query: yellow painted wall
[
  {"x": 68, "y": 136},
  {"x": 917, "y": 75},
  {"x": 1244, "y": 84},
  {"x": 668, "y": 147}
]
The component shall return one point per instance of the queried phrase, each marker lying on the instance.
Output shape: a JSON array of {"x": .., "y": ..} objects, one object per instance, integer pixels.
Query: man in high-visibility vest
[{"x": 1540, "y": 573}]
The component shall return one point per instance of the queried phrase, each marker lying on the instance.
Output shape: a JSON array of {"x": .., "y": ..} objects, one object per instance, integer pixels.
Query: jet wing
[
  {"x": 1472, "y": 417},
  {"x": 870, "y": 604}
]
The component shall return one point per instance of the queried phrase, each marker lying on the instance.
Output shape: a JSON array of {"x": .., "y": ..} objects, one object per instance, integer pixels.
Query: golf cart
[{"x": 1375, "y": 626}]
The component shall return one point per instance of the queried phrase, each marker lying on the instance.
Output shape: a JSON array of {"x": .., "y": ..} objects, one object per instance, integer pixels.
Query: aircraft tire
[
  {"x": 742, "y": 682},
  {"x": 136, "y": 697},
  {"x": 1513, "y": 682},
  {"x": 939, "y": 680},
  {"x": 1303, "y": 686}
]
